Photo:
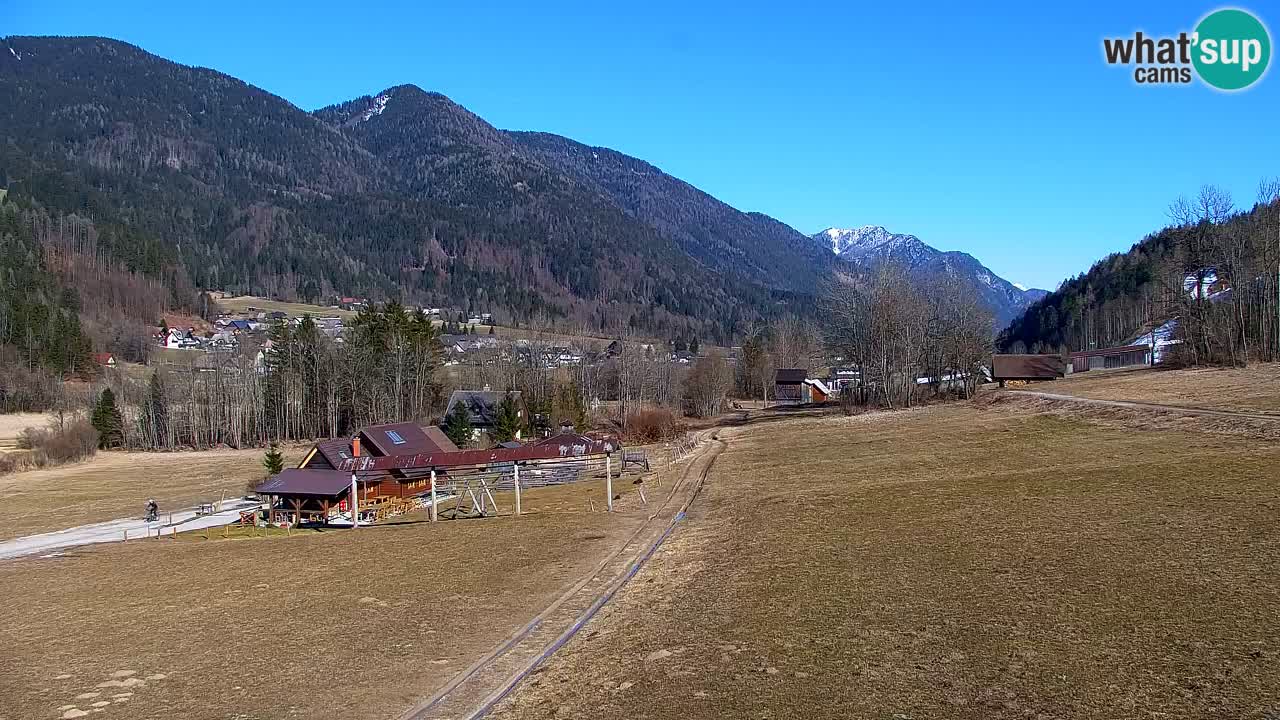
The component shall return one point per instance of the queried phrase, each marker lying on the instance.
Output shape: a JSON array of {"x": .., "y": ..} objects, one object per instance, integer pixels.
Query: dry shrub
[
  {"x": 651, "y": 424},
  {"x": 74, "y": 441}
]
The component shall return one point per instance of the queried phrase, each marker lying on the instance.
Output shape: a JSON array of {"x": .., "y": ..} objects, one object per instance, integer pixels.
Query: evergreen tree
[
  {"x": 108, "y": 421},
  {"x": 693, "y": 345},
  {"x": 273, "y": 460},
  {"x": 158, "y": 410},
  {"x": 507, "y": 424},
  {"x": 490, "y": 329},
  {"x": 457, "y": 426}
]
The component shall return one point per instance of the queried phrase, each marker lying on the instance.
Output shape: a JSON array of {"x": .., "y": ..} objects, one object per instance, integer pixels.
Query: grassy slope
[
  {"x": 951, "y": 562},
  {"x": 1252, "y": 389}
]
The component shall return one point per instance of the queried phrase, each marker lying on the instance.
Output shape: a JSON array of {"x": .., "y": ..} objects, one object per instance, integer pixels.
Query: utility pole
[
  {"x": 434, "y": 514},
  {"x": 516, "y": 476},
  {"x": 355, "y": 500}
]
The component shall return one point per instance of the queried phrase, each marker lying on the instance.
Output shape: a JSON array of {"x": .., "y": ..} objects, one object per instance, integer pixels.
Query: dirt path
[
  {"x": 1148, "y": 406},
  {"x": 474, "y": 691}
]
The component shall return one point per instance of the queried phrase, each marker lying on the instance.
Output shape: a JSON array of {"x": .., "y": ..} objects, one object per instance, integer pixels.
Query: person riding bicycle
[{"x": 153, "y": 510}]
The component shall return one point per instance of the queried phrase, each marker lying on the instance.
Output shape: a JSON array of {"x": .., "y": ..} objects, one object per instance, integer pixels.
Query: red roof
[
  {"x": 103, "y": 358},
  {"x": 401, "y": 439},
  {"x": 463, "y": 458}
]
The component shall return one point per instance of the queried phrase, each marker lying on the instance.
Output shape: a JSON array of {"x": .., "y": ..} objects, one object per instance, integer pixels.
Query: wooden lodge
[
  {"x": 384, "y": 441},
  {"x": 394, "y": 467}
]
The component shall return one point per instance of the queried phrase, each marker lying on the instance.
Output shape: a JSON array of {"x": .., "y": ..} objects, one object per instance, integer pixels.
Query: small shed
[{"x": 788, "y": 385}]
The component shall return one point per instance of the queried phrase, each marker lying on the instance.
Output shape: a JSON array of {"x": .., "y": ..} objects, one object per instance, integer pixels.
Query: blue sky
[{"x": 994, "y": 128}]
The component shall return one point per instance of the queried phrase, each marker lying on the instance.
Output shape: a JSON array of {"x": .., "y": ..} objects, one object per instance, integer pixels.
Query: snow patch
[
  {"x": 14, "y": 53},
  {"x": 379, "y": 104},
  {"x": 1020, "y": 286}
]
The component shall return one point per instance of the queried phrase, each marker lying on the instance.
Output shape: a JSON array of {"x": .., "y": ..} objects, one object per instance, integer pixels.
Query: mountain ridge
[{"x": 403, "y": 194}]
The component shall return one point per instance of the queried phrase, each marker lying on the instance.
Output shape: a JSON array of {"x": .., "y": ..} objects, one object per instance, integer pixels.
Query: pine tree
[
  {"x": 507, "y": 424},
  {"x": 158, "y": 409},
  {"x": 273, "y": 460},
  {"x": 107, "y": 421},
  {"x": 457, "y": 426}
]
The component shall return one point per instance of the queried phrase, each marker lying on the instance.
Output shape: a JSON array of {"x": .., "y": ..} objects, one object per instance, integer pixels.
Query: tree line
[
  {"x": 301, "y": 385},
  {"x": 1214, "y": 272}
]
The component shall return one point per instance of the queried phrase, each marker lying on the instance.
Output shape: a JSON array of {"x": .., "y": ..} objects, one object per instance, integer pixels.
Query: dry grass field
[
  {"x": 320, "y": 624},
  {"x": 1255, "y": 389},
  {"x": 242, "y": 303},
  {"x": 12, "y": 424},
  {"x": 965, "y": 561},
  {"x": 116, "y": 484}
]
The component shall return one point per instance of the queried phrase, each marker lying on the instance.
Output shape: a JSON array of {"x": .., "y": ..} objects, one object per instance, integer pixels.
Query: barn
[
  {"x": 1027, "y": 367},
  {"x": 1110, "y": 358}
]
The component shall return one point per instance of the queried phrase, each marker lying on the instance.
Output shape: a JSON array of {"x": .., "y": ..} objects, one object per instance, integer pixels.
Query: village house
[
  {"x": 482, "y": 406},
  {"x": 105, "y": 359}
]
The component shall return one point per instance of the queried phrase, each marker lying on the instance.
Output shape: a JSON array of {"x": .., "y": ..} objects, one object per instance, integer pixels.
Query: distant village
[{"x": 465, "y": 338}]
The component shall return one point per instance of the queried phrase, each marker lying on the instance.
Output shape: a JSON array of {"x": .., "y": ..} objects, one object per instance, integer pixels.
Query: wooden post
[
  {"x": 126, "y": 534},
  {"x": 434, "y": 514},
  {"x": 222, "y": 500},
  {"x": 608, "y": 480},
  {"x": 516, "y": 475},
  {"x": 646, "y": 502}
]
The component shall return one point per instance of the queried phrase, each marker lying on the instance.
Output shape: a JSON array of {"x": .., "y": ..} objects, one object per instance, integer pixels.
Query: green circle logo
[{"x": 1232, "y": 49}]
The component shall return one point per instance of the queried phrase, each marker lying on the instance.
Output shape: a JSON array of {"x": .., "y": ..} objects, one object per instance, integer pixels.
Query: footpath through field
[
  {"x": 117, "y": 530},
  {"x": 1133, "y": 405}
]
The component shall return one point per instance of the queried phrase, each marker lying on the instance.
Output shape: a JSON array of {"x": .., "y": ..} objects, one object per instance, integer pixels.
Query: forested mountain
[
  {"x": 753, "y": 247},
  {"x": 872, "y": 245},
  {"x": 201, "y": 180},
  {"x": 1214, "y": 273}
]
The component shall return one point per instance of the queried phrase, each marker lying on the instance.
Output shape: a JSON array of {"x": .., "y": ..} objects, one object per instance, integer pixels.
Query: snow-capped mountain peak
[
  {"x": 870, "y": 245},
  {"x": 869, "y": 240}
]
